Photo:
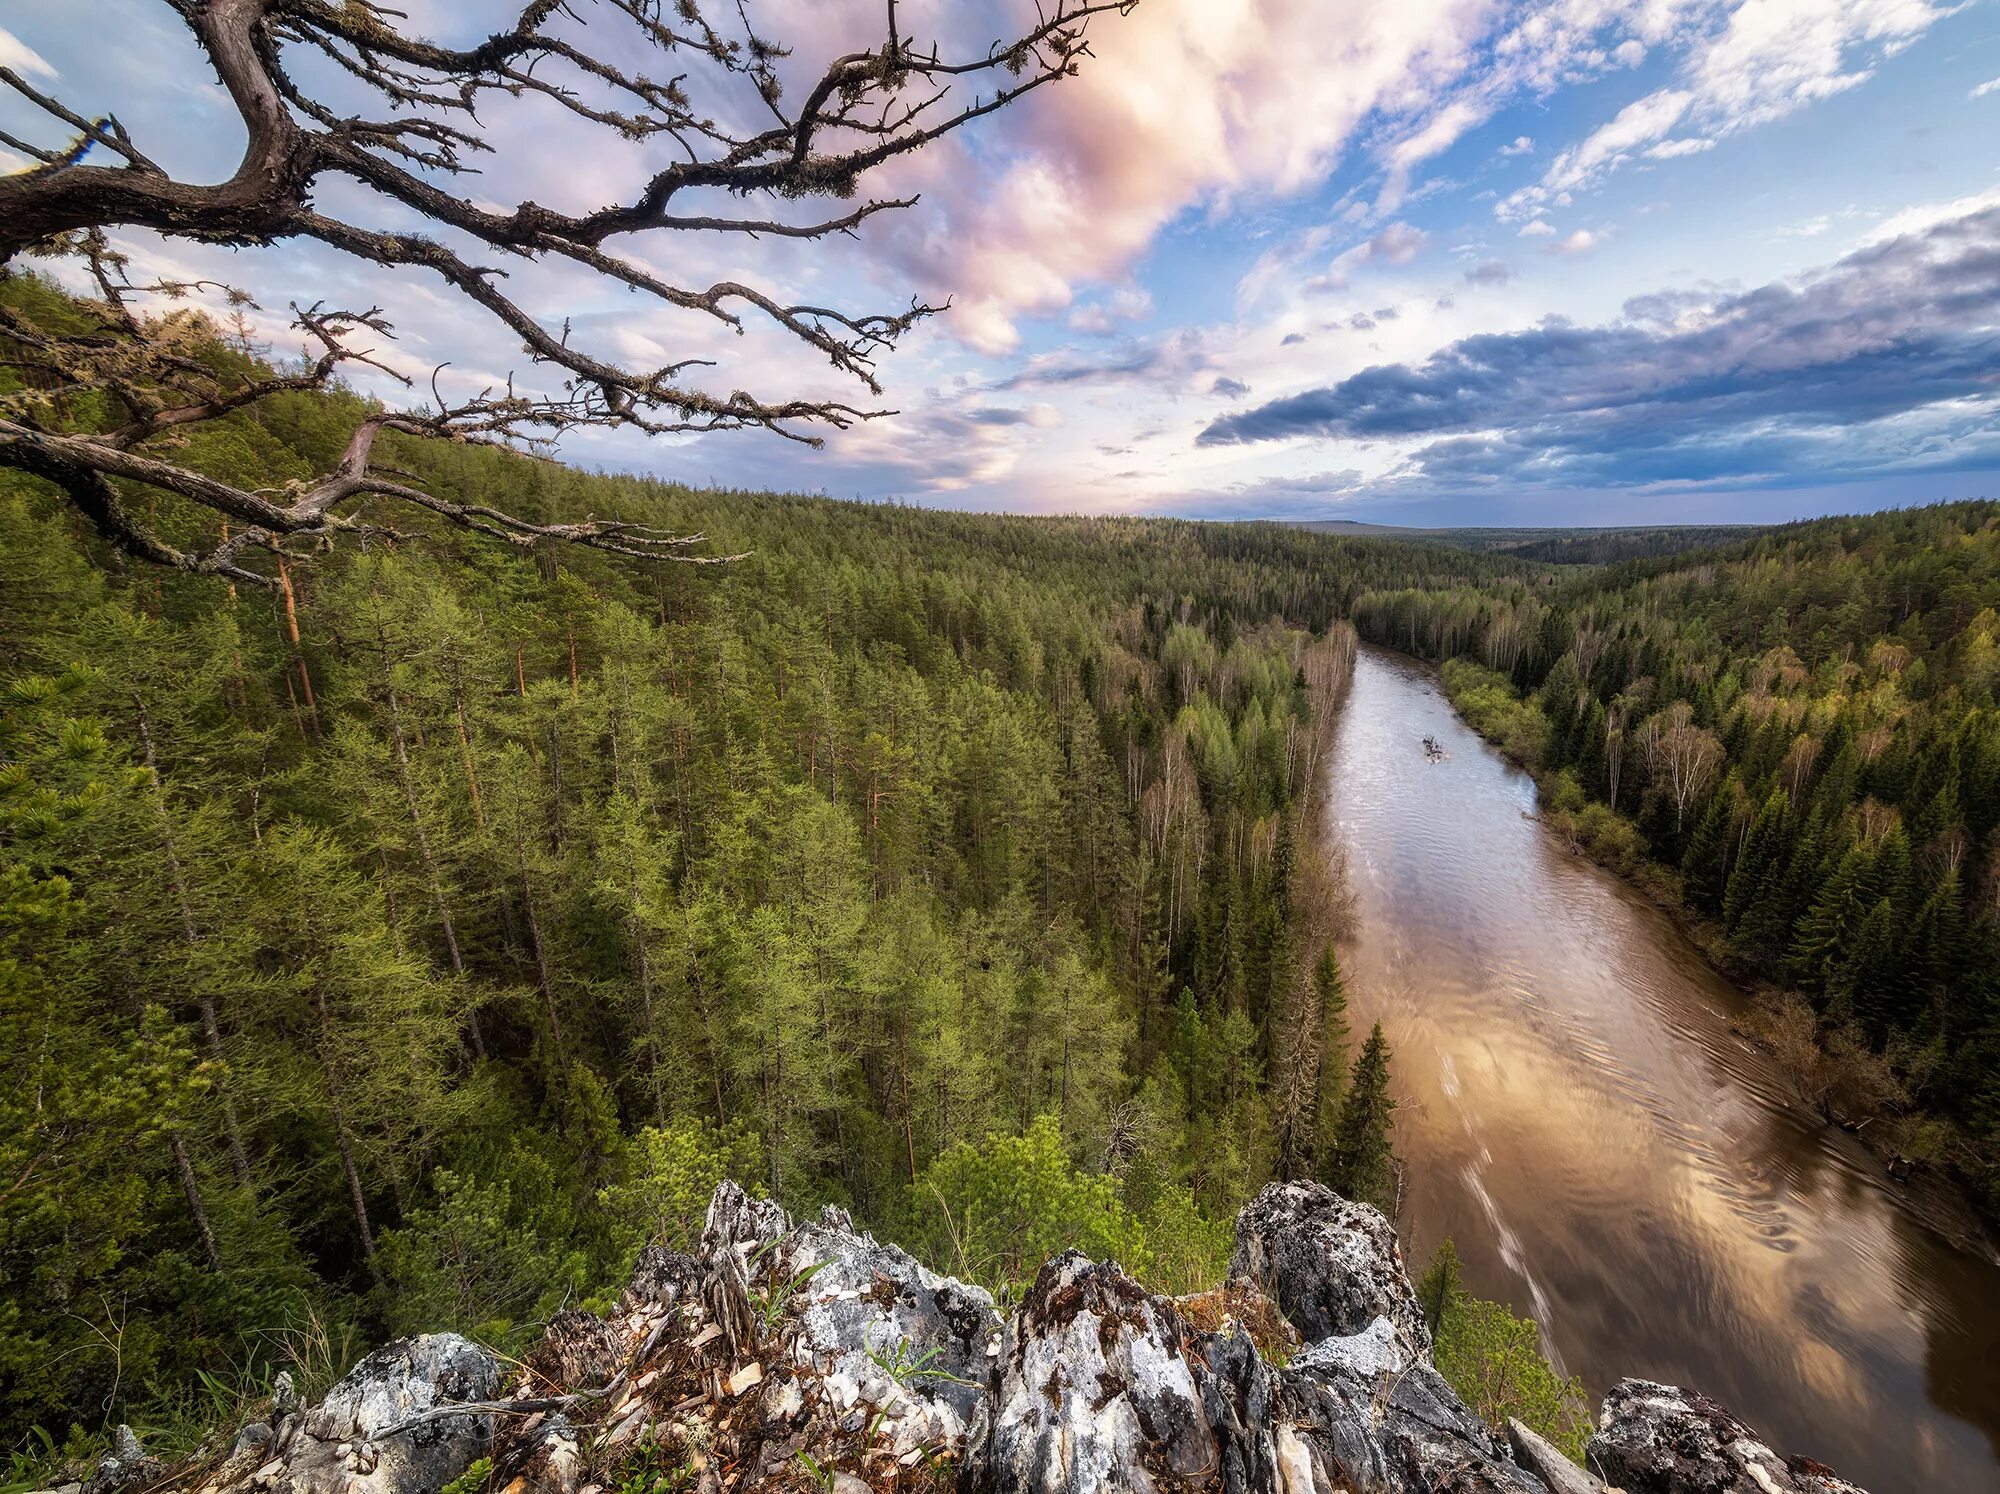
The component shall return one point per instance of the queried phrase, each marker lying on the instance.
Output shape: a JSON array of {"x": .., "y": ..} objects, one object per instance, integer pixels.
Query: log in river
[{"x": 1610, "y": 1157}]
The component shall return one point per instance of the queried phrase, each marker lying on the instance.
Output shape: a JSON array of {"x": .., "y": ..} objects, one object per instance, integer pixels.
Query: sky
[{"x": 1401, "y": 261}]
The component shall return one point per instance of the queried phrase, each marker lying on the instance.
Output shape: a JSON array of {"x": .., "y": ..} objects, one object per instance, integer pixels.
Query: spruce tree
[
  {"x": 1335, "y": 1035},
  {"x": 1362, "y": 1163}
]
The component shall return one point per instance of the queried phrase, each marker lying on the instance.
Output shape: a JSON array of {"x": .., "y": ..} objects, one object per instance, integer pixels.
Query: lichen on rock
[
  {"x": 810, "y": 1356},
  {"x": 1661, "y": 1439}
]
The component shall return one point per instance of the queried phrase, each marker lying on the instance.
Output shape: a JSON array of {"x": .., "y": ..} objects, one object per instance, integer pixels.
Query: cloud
[
  {"x": 1539, "y": 228},
  {"x": 1309, "y": 496},
  {"x": 1189, "y": 103},
  {"x": 1436, "y": 135},
  {"x": 1398, "y": 244},
  {"x": 1769, "y": 59},
  {"x": 1882, "y": 361},
  {"x": 1990, "y": 86},
  {"x": 1580, "y": 242},
  {"x": 1521, "y": 145},
  {"x": 1171, "y": 361},
  {"x": 1489, "y": 272},
  {"x": 1128, "y": 303},
  {"x": 1926, "y": 216},
  {"x": 1184, "y": 101},
  {"x": 1637, "y": 124},
  {"x": 22, "y": 58},
  {"x": 1229, "y": 388},
  {"x": 1039, "y": 416}
]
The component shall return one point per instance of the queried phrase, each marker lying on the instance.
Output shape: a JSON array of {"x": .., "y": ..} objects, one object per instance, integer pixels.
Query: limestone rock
[
  {"x": 253, "y": 1440},
  {"x": 1333, "y": 1266},
  {"x": 1096, "y": 1390},
  {"x": 126, "y": 1464},
  {"x": 1368, "y": 1411},
  {"x": 1660, "y": 1439},
  {"x": 342, "y": 1447},
  {"x": 880, "y": 1330},
  {"x": 1239, "y": 1399},
  {"x": 1543, "y": 1459},
  {"x": 778, "y": 1340}
]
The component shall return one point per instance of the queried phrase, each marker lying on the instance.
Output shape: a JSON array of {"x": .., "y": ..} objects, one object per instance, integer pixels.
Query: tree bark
[{"x": 191, "y": 1189}]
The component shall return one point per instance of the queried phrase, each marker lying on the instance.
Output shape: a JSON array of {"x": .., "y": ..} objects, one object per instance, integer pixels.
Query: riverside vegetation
[
  {"x": 404, "y": 948},
  {"x": 1795, "y": 739}
]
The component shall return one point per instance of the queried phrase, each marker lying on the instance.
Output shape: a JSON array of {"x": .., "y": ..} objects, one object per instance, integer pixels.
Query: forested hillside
[
  {"x": 403, "y": 947},
  {"x": 1554, "y": 546},
  {"x": 1804, "y": 729}
]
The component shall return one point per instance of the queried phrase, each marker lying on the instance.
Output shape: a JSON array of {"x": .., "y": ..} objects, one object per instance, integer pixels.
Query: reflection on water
[{"x": 1609, "y": 1157}]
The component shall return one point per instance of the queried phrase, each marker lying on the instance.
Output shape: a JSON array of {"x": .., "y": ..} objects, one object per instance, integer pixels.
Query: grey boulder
[
  {"x": 1660, "y": 1439},
  {"x": 1332, "y": 1265},
  {"x": 1097, "y": 1391},
  {"x": 1368, "y": 1411},
  {"x": 388, "y": 1427},
  {"x": 1548, "y": 1463}
]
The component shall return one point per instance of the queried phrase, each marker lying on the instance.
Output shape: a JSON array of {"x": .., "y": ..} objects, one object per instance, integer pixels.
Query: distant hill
[{"x": 1600, "y": 546}]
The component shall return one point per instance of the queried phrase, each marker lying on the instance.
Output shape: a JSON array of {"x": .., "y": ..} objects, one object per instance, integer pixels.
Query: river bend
[{"x": 1609, "y": 1157}]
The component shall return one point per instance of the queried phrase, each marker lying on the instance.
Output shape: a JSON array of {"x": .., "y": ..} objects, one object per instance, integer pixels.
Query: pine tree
[
  {"x": 1875, "y": 978},
  {"x": 1761, "y": 861}
]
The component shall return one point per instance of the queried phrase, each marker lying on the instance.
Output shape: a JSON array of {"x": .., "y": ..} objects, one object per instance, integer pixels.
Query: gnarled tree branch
[{"x": 640, "y": 70}]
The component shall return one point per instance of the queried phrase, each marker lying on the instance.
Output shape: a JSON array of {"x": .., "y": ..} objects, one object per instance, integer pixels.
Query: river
[{"x": 1609, "y": 1157}]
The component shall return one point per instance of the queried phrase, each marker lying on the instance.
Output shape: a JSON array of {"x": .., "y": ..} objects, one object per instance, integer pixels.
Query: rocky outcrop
[
  {"x": 125, "y": 1465},
  {"x": 391, "y": 1426},
  {"x": 808, "y": 1355},
  {"x": 1546, "y": 1461},
  {"x": 1333, "y": 1266},
  {"x": 1098, "y": 1391},
  {"x": 1371, "y": 1413},
  {"x": 1660, "y": 1439}
]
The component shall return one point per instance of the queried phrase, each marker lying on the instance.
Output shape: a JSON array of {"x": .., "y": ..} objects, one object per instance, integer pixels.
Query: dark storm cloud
[
  {"x": 1168, "y": 360},
  {"x": 1750, "y": 383},
  {"x": 1069, "y": 367}
]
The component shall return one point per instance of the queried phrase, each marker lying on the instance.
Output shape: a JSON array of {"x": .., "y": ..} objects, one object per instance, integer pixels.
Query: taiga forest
[{"x": 460, "y": 857}]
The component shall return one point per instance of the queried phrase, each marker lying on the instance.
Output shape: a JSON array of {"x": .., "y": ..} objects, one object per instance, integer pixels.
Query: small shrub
[
  {"x": 998, "y": 1210},
  {"x": 1494, "y": 1361},
  {"x": 473, "y": 1480}
]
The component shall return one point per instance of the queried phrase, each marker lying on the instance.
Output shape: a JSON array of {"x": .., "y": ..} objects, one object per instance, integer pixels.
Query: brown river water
[{"x": 1609, "y": 1157}]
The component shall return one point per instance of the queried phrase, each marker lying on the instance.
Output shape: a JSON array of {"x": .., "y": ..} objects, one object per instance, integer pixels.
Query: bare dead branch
[{"x": 641, "y": 70}]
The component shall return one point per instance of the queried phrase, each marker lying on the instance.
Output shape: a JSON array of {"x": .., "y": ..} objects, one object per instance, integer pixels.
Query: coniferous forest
[
  {"x": 404, "y": 946},
  {"x": 1795, "y": 737},
  {"x": 522, "y": 970}
]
